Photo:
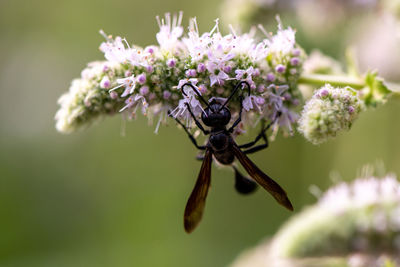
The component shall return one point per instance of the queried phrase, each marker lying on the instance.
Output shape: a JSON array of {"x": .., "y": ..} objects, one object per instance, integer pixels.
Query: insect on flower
[{"x": 222, "y": 146}]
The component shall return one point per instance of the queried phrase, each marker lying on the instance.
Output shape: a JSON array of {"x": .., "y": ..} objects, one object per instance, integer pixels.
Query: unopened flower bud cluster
[
  {"x": 150, "y": 79},
  {"x": 330, "y": 111},
  {"x": 88, "y": 96}
]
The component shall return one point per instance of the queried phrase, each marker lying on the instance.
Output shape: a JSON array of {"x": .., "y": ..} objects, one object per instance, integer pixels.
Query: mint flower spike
[
  {"x": 354, "y": 224},
  {"x": 330, "y": 111},
  {"x": 358, "y": 218},
  {"x": 149, "y": 79}
]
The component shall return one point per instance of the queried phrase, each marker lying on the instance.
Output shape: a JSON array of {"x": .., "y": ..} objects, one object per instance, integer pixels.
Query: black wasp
[{"x": 224, "y": 149}]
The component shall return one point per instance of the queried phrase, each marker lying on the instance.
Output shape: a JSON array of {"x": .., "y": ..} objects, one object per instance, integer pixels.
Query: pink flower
[
  {"x": 129, "y": 83},
  {"x": 133, "y": 101},
  {"x": 246, "y": 75},
  {"x": 193, "y": 81},
  {"x": 202, "y": 88},
  {"x": 171, "y": 62},
  {"x": 141, "y": 78},
  {"x": 251, "y": 102},
  {"x": 105, "y": 82},
  {"x": 216, "y": 74},
  {"x": 218, "y": 55},
  {"x": 201, "y": 68},
  {"x": 191, "y": 73},
  {"x": 144, "y": 90},
  {"x": 170, "y": 31},
  {"x": 166, "y": 94}
]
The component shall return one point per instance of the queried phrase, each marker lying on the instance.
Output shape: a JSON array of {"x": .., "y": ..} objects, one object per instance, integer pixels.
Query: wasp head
[{"x": 216, "y": 115}]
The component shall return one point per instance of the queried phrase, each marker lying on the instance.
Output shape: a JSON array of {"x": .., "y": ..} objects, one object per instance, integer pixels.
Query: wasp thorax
[
  {"x": 214, "y": 116},
  {"x": 219, "y": 141}
]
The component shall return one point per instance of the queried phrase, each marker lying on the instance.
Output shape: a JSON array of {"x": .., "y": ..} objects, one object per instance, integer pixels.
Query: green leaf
[
  {"x": 377, "y": 90},
  {"x": 394, "y": 87}
]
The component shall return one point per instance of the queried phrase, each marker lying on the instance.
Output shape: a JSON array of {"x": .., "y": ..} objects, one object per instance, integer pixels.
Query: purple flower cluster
[{"x": 152, "y": 77}]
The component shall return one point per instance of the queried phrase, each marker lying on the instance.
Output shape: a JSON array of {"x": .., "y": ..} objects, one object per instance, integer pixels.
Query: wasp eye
[{"x": 206, "y": 116}]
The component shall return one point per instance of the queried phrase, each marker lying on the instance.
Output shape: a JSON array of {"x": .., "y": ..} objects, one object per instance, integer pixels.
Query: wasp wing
[
  {"x": 197, "y": 200},
  {"x": 261, "y": 178}
]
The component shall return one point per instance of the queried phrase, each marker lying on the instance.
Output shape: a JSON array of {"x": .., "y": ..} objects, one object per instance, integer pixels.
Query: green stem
[
  {"x": 343, "y": 81},
  {"x": 334, "y": 80}
]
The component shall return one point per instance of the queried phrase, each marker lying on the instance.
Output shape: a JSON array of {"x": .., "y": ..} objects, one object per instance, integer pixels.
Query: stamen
[
  {"x": 215, "y": 27},
  {"x": 159, "y": 122},
  {"x": 122, "y": 109},
  {"x": 126, "y": 42},
  {"x": 278, "y": 19},
  {"x": 108, "y": 38},
  {"x": 168, "y": 20},
  {"x": 123, "y": 125},
  {"x": 158, "y": 21},
  {"x": 232, "y": 30},
  {"x": 315, "y": 191},
  {"x": 174, "y": 21},
  {"x": 264, "y": 31},
  {"x": 195, "y": 24},
  {"x": 115, "y": 88},
  {"x": 180, "y": 18}
]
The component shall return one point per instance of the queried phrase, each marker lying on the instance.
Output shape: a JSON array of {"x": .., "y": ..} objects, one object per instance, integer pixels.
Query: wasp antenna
[
  {"x": 234, "y": 92},
  {"x": 196, "y": 91}
]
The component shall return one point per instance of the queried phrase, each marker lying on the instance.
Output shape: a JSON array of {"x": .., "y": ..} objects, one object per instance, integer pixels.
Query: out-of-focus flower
[
  {"x": 392, "y": 6},
  {"x": 316, "y": 17},
  {"x": 319, "y": 63},
  {"x": 330, "y": 111},
  {"x": 243, "y": 12},
  {"x": 320, "y": 17},
  {"x": 152, "y": 77},
  {"x": 353, "y": 224},
  {"x": 361, "y": 217},
  {"x": 384, "y": 39}
]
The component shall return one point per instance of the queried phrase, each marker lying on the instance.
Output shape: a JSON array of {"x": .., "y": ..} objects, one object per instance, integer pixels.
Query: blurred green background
[{"x": 97, "y": 198}]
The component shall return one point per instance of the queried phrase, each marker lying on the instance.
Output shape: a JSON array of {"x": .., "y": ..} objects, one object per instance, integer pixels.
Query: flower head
[{"x": 212, "y": 63}]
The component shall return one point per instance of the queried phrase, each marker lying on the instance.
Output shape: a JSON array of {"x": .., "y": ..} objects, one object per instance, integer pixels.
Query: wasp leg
[
  {"x": 205, "y": 132},
  {"x": 255, "y": 149},
  {"x": 259, "y": 136},
  {"x": 243, "y": 185},
  {"x": 191, "y": 137},
  {"x": 200, "y": 157},
  {"x": 238, "y": 119}
]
